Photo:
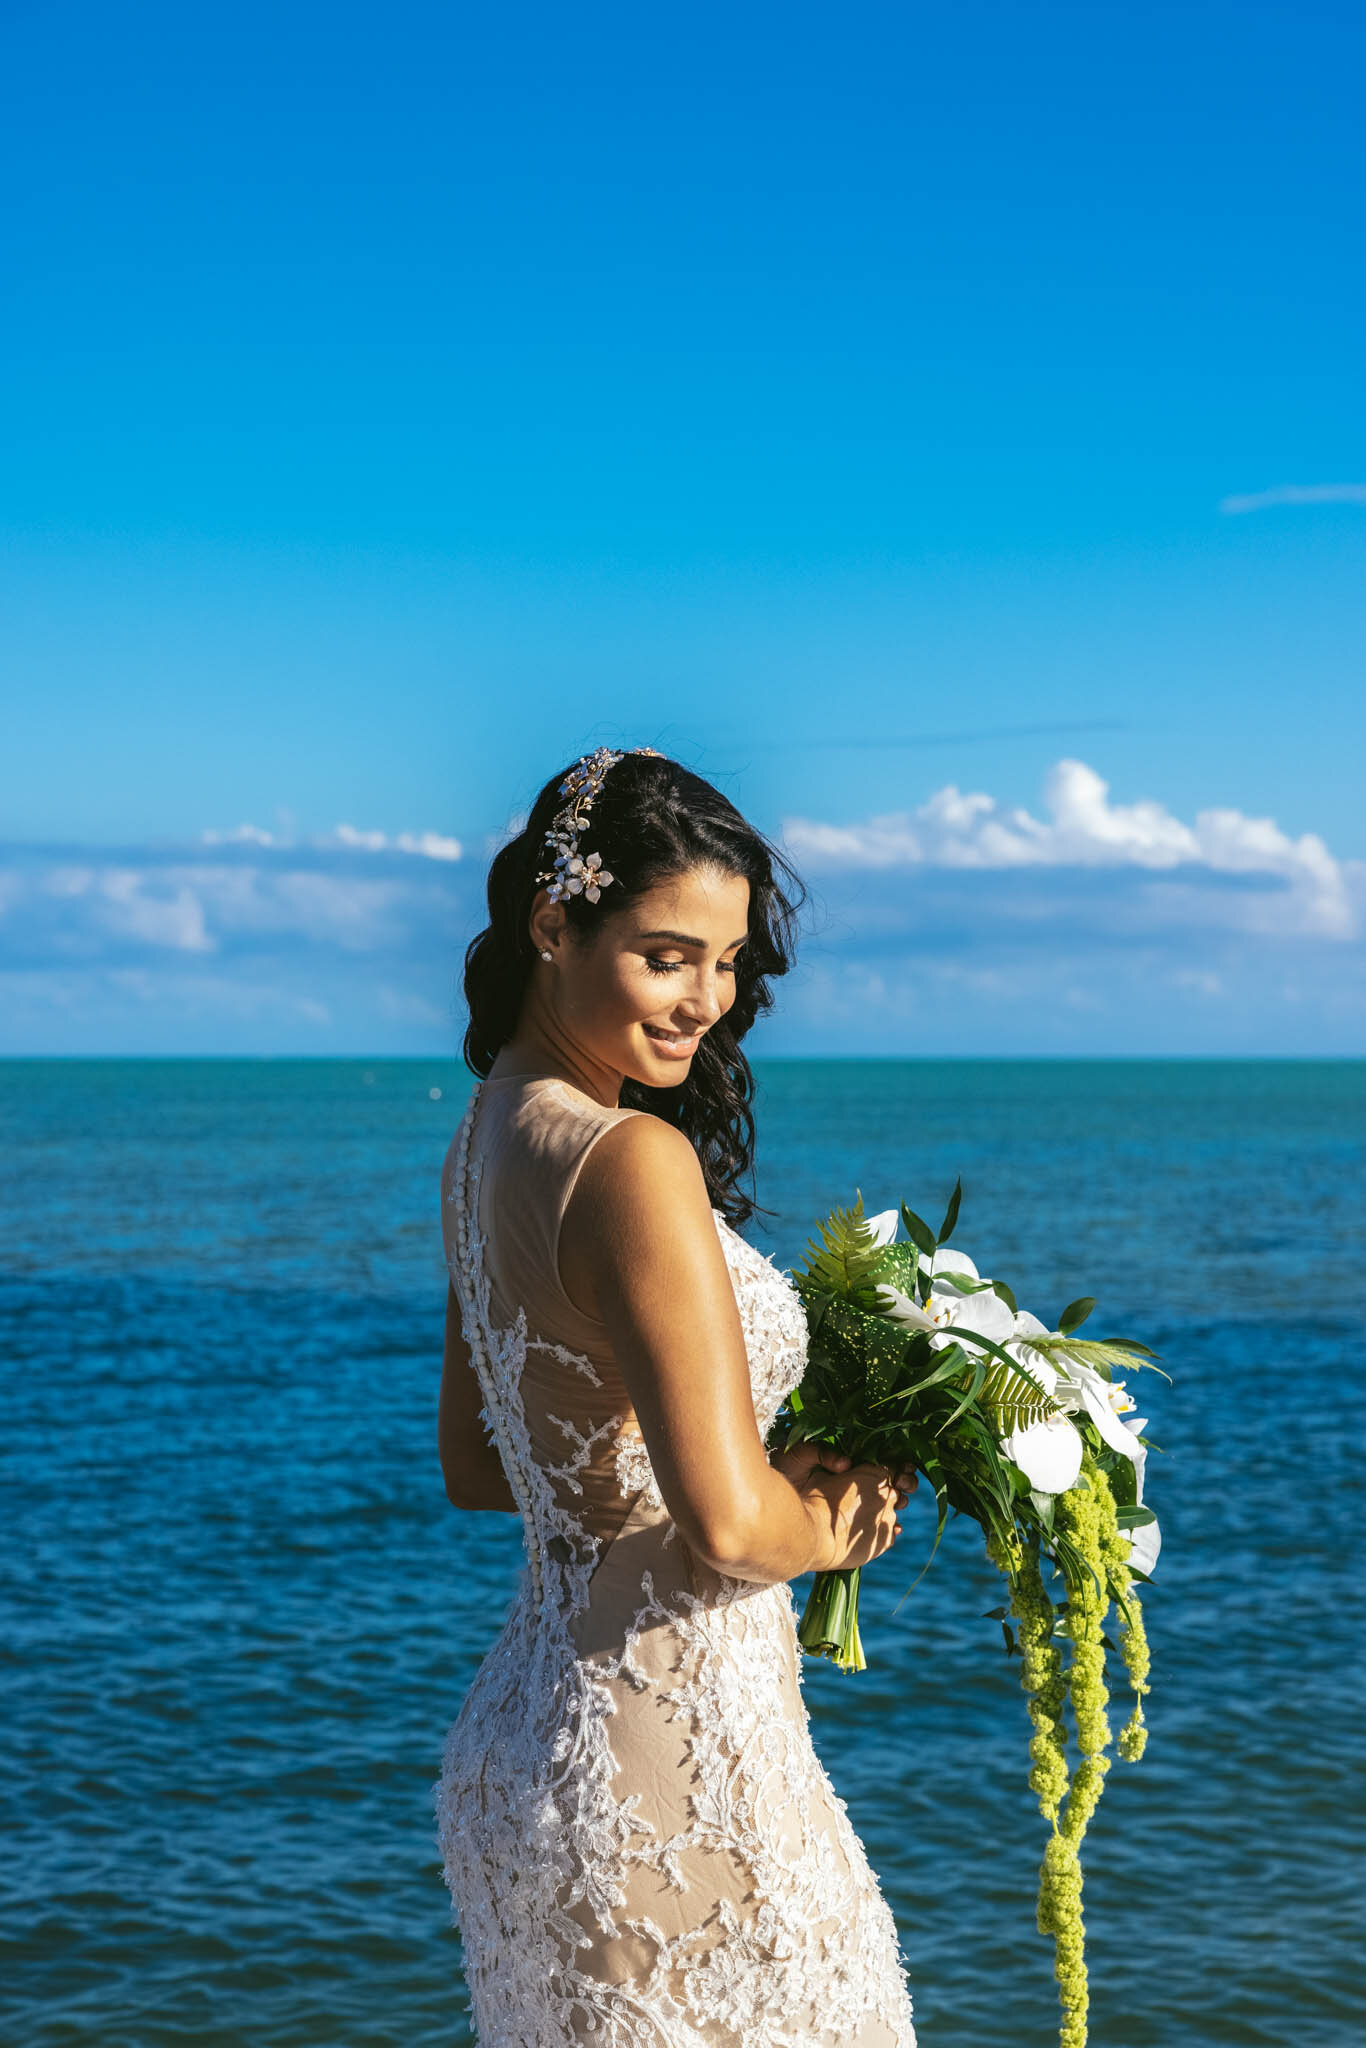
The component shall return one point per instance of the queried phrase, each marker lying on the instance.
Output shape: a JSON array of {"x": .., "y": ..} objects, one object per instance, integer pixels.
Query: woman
[{"x": 642, "y": 1847}]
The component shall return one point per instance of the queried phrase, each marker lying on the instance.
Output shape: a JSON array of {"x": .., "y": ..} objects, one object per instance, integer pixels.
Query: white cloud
[
  {"x": 171, "y": 918},
  {"x": 241, "y": 835},
  {"x": 1083, "y": 829},
  {"x": 123, "y": 908},
  {"x": 363, "y": 916},
  {"x": 350, "y": 838},
  {"x": 65, "y": 881},
  {"x": 426, "y": 845},
  {"x": 1295, "y": 494},
  {"x": 966, "y": 924},
  {"x": 431, "y": 845},
  {"x": 365, "y": 842}
]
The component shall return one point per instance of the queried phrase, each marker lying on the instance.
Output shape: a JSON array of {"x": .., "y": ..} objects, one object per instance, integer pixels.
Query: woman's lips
[{"x": 673, "y": 1045}]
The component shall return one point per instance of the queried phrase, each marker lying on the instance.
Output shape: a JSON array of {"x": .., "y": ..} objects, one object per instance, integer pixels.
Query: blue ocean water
[{"x": 239, "y": 1614}]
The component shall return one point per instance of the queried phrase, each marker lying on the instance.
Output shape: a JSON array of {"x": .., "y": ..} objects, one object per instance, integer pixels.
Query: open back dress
[{"x": 642, "y": 1847}]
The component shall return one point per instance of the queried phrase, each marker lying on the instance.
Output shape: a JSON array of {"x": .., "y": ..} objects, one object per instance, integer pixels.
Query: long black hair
[{"x": 651, "y": 820}]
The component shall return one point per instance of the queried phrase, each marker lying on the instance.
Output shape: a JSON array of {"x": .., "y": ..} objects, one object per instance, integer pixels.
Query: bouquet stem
[{"x": 829, "y": 1623}]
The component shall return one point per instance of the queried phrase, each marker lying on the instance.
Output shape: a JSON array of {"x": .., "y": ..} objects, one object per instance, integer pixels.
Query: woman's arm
[
  {"x": 639, "y": 1248},
  {"x": 470, "y": 1464}
]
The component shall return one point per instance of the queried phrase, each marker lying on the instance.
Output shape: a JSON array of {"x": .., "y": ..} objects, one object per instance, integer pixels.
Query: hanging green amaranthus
[
  {"x": 1098, "y": 1574},
  {"x": 915, "y": 1359}
]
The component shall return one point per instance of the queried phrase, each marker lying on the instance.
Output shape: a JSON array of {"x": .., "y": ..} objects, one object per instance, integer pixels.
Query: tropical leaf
[
  {"x": 1075, "y": 1313},
  {"x": 845, "y": 1259},
  {"x": 1106, "y": 1354},
  {"x": 1015, "y": 1400},
  {"x": 918, "y": 1231},
  {"x": 897, "y": 1267},
  {"x": 1007, "y": 1388}
]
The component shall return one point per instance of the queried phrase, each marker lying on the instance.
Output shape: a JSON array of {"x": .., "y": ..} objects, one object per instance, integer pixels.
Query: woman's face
[{"x": 638, "y": 994}]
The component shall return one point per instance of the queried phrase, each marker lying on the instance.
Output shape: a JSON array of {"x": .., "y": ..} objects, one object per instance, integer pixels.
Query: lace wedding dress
[{"x": 642, "y": 1848}]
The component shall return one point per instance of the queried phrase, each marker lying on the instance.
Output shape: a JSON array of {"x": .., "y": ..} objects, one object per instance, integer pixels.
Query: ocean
[{"x": 238, "y": 1613}]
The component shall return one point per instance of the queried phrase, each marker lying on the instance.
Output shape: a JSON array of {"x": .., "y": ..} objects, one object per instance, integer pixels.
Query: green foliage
[
  {"x": 844, "y": 1262},
  {"x": 1089, "y": 1530},
  {"x": 919, "y": 1232},
  {"x": 883, "y": 1392},
  {"x": 1106, "y": 1355}
]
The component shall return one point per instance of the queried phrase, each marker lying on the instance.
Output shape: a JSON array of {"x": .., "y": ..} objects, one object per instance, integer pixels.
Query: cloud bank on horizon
[
  {"x": 1085, "y": 830},
  {"x": 960, "y": 925}
]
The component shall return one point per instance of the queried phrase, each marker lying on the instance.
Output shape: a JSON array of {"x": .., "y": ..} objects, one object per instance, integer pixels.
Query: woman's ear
[{"x": 548, "y": 924}]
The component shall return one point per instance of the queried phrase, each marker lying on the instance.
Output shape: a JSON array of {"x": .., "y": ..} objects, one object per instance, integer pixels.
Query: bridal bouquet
[{"x": 915, "y": 1359}]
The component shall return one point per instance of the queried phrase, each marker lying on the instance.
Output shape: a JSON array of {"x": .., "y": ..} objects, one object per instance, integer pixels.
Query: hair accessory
[{"x": 573, "y": 873}]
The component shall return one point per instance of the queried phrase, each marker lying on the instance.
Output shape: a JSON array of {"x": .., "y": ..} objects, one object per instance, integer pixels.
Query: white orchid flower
[
  {"x": 883, "y": 1225},
  {"x": 1036, "y": 1363},
  {"x": 1047, "y": 1452},
  {"x": 1082, "y": 1389},
  {"x": 983, "y": 1314},
  {"x": 978, "y": 1315},
  {"x": 1144, "y": 1546},
  {"x": 946, "y": 1260},
  {"x": 1144, "y": 1543},
  {"x": 1027, "y": 1326},
  {"x": 899, "y": 1308}
]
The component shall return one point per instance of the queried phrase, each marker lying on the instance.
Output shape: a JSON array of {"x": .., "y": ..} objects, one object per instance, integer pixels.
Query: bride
[{"x": 642, "y": 1847}]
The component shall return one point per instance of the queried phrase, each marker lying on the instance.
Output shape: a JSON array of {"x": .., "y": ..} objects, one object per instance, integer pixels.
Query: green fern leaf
[{"x": 845, "y": 1260}]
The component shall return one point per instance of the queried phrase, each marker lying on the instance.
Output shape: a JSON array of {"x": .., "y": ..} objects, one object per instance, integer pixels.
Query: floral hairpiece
[{"x": 573, "y": 873}]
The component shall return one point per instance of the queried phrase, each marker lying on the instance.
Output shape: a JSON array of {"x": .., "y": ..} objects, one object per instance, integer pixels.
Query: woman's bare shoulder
[
  {"x": 641, "y": 1162},
  {"x": 638, "y": 1217}
]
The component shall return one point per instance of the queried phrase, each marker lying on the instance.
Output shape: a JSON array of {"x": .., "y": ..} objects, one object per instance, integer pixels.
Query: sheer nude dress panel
[{"x": 642, "y": 1847}]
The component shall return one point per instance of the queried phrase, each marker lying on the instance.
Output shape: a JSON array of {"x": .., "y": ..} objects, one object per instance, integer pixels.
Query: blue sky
[{"x": 863, "y": 406}]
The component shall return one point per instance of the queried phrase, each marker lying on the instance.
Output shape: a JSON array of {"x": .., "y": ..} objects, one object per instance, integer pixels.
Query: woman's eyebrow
[{"x": 683, "y": 939}]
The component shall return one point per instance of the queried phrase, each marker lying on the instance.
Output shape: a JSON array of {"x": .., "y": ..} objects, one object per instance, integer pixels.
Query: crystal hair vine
[{"x": 572, "y": 873}]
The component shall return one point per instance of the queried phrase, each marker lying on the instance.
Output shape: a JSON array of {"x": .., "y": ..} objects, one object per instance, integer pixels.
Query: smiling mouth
[{"x": 674, "y": 1044}]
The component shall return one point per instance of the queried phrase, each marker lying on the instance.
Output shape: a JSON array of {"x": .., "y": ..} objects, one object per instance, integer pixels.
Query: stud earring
[{"x": 546, "y": 955}]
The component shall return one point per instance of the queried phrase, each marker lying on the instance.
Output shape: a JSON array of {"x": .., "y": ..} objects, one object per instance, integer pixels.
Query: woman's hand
[{"x": 853, "y": 1508}]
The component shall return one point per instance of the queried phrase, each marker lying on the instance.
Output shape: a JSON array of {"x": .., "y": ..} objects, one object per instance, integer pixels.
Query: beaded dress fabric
[{"x": 642, "y": 1847}]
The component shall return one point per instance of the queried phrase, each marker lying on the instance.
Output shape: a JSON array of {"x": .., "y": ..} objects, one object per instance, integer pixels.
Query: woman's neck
[{"x": 540, "y": 1049}]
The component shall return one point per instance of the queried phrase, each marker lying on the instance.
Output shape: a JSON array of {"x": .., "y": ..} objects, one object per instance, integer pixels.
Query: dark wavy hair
[{"x": 652, "y": 819}]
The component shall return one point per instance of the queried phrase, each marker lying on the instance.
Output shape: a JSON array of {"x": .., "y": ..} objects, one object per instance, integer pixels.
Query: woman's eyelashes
[{"x": 657, "y": 966}]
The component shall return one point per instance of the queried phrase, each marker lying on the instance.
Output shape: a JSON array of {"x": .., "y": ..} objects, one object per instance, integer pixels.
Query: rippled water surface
[{"x": 238, "y": 1613}]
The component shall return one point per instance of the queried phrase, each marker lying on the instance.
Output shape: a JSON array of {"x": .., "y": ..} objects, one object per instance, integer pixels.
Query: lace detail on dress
[
  {"x": 584, "y": 1447},
  {"x": 642, "y": 1847},
  {"x": 635, "y": 1473},
  {"x": 565, "y": 1356},
  {"x": 773, "y": 1322}
]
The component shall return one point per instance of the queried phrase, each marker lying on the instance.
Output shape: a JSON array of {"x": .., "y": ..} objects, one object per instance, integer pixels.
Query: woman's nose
[{"x": 703, "y": 1004}]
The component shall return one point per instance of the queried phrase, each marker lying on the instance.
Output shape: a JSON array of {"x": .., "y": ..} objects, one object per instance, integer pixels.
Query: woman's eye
[{"x": 672, "y": 966}]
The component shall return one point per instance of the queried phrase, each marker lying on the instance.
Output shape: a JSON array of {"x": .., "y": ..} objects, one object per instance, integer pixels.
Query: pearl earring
[{"x": 545, "y": 955}]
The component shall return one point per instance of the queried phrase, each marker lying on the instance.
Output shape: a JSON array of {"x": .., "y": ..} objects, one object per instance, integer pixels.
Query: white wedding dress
[{"x": 642, "y": 1847}]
